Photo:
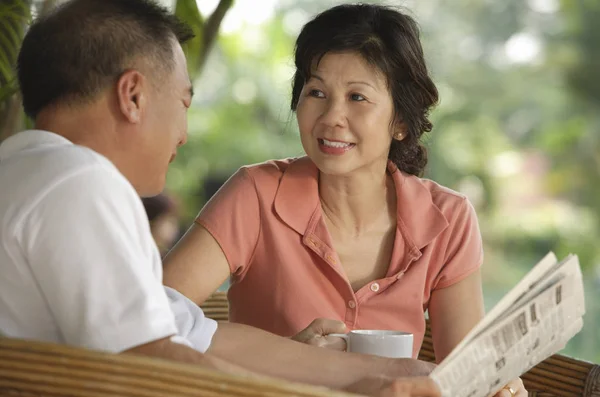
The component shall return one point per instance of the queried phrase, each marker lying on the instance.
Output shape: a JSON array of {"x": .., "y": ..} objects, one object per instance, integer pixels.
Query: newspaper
[{"x": 533, "y": 321}]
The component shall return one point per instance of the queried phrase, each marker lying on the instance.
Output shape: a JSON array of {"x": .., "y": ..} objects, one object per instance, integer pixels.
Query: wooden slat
[
  {"x": 542, "y": 389},
  {"x": 33, "y": 367},
  {"x": 568, "y": 372},
  {"x": 577, "y": 380}
]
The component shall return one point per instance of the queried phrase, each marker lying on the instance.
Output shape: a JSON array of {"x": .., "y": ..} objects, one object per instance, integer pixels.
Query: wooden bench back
[
  {"x": 558, "y": 376},
  {"x": 36, "y": 369}
]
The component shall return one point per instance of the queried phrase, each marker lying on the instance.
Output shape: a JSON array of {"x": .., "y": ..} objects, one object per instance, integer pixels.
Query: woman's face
[{"x": 344, "y": 116}]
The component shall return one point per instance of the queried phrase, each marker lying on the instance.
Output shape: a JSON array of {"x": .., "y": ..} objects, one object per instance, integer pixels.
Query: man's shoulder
[
  {"x": 36, "y": 172},
  {"x": 45, "y": 170},
  {"x": 68, "y": 159}
]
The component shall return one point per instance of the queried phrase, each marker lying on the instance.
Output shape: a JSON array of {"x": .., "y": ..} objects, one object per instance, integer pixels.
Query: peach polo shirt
[{"x": 285, "y": 272}]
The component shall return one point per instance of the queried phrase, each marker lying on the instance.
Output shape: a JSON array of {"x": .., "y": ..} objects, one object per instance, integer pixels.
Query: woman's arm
[
  {"x": 225, "y": 233},
  {"x": 453, "y": 312},
  {"x": 265, "y": 353},
  {"x": 196, "y": 266}
]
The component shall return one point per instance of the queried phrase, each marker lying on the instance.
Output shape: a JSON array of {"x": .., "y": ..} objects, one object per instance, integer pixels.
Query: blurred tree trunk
[{"x": 206, "y": 31}]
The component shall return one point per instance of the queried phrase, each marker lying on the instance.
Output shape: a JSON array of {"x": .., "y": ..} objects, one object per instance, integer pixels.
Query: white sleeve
[
  {"x": 194, "y": 329},
  {"x": 91, "y": 256}
]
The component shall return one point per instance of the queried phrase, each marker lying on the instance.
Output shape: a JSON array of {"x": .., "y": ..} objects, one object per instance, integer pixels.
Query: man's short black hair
[{"x": 75, "y": 51}]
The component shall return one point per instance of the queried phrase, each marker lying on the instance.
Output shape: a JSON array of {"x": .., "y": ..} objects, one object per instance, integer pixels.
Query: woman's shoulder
[
  {"x": 273, "y": 170},
  {"x": 446, "y": 199}
]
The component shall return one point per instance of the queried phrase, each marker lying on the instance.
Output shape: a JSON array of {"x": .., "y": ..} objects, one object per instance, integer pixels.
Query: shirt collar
[
  {"x": 297, "y": 197},
  {"x": 419, "y": 219},
  {"x": 30, "y": 139}
]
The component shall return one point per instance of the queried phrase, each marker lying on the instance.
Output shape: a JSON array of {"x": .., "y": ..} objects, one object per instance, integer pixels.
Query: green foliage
[
  {"x": 240, "y": 115},
  {"x": 583, "y": 29},
  {"x": 14, "y": 14}
]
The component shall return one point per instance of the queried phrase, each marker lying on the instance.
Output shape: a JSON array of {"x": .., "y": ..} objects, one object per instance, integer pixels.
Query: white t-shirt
[{"x": 78, "y": 264}]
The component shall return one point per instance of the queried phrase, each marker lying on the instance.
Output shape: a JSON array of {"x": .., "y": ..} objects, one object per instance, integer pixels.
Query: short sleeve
[
  {"x": 232, "y": 217},
  {"x": 92, "y": 257},
  {"x": 193, "y": 328},
  {"x": 464, "y": 252}
]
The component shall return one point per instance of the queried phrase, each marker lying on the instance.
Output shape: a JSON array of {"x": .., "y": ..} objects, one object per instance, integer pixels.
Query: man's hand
[
  {"x": 400, "y": 387},
  {"x": 401, "y": 367},
  {"x": 316, "y": 334}
]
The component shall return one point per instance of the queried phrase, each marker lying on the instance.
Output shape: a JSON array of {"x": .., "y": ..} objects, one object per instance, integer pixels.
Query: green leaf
[
  {"x": 14, "y": 14},
  {"x": 8, "y": 90},
  {"x": 187, "y": 11}
]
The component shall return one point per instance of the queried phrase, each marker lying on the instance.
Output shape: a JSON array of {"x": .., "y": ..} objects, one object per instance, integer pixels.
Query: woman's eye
[
  {"x": 357, "y": 97},
  {"x": 316, "y": 93}
]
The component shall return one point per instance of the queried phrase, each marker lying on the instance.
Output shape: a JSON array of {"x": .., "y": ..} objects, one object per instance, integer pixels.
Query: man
[{"x": 107, "y": 85}]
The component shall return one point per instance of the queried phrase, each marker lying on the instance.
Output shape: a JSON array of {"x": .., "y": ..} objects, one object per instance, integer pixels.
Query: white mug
[{"x": 393, "y": 344}]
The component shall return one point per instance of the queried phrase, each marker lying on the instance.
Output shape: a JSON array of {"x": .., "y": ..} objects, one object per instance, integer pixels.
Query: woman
[{"x": 349, "y": 232}]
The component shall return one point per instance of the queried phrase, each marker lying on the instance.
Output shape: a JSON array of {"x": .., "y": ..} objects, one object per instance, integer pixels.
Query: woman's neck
[{"x": 357, "y": 204}]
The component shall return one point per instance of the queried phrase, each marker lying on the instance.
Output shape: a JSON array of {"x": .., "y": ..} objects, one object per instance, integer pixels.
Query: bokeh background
[{"x": 517, "y": 129}]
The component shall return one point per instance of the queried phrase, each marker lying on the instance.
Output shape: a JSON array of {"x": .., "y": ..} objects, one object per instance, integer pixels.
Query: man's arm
[
  {"x": 272, "y": 355},
  {"x": 169, "y": 350},
  {"x": 353, "y": 373},
  {"x": 268, "y": 354},
  {"x": 92, "y": 257}
]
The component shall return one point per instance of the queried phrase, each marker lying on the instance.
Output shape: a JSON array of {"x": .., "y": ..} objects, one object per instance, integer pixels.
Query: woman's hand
[
  {"x": 316, "y": 334},
  {"x": 514, "y": 388}
]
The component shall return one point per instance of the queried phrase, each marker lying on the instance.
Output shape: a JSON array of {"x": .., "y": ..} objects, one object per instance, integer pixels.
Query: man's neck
[{"x": 92, "y": 127}]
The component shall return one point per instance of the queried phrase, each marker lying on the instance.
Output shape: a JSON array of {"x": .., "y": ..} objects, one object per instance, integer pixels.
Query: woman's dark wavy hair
[{"x": 388, "y": 40}]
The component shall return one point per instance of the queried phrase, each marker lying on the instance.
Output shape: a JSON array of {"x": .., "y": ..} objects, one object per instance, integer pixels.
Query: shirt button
[
  {"x": 375, "y": 287},
  {"x": 330, "y": 259},
  {"x": 351, "y": 304}
]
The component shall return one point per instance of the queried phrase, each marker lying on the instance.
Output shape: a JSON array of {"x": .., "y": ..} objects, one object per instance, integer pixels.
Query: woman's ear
[{"x": 399, "y": 132}]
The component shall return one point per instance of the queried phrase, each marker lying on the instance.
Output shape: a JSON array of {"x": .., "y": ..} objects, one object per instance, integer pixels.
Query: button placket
[
  {"x": 329, "y": 257},
  {"x": 314, "y": 245}
]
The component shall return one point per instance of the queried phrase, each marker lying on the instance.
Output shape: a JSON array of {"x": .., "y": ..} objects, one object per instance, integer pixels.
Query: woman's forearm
[{"x": 272, "y": 355}]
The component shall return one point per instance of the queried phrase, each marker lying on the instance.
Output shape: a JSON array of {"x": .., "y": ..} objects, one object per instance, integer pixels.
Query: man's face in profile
[{"x": 164, "y": 127}]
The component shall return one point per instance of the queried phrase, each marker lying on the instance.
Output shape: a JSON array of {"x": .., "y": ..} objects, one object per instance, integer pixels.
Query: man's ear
[{"x": 132, "y": 91}]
